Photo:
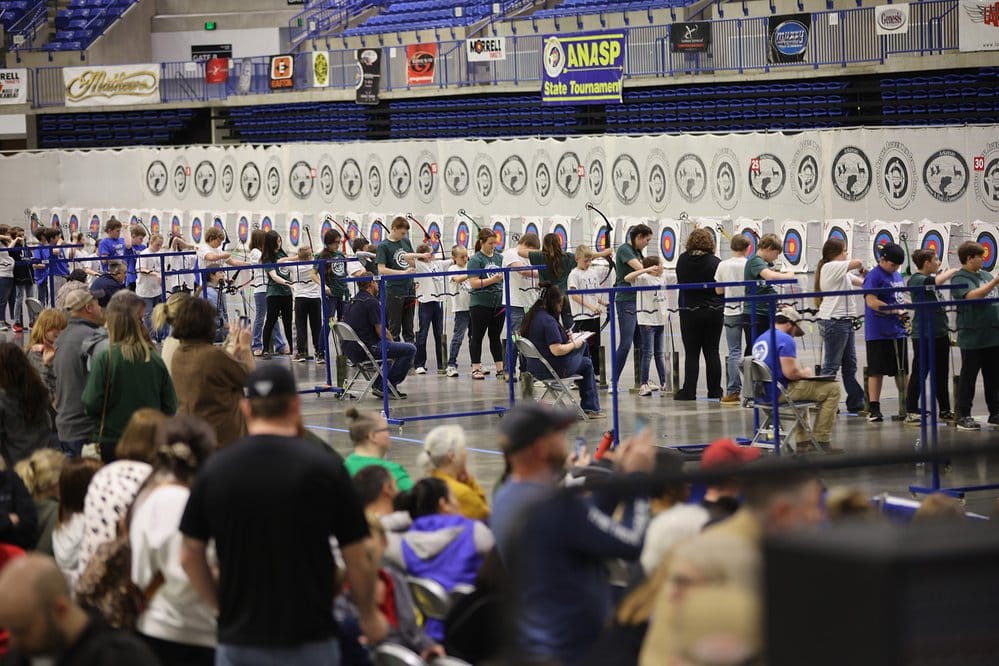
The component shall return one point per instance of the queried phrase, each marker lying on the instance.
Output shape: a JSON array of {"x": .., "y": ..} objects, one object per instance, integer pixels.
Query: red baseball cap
[{"x": 726, "y": 453}]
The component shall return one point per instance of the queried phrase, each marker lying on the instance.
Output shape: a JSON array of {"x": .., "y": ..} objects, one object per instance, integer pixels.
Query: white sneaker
[
  {"x": 451, "y": 371},
  {"x": 421, "y": 371},
  {"x": 610, "y": 388},
  {"x": 645, "y": 390}
]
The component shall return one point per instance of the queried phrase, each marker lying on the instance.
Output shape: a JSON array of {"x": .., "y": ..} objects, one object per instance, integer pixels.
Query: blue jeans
[
  {"x": 259, "y": 316},
  {"x": 516, "y": 319},
  {"x": 627, "y": 323},
  {"x": 652, "y": 347},
  {"x": 578, "y": 362},
  {"x": 21, "y": 292},
  {"x": 401, "y": 354},
  {"x": 73, "y": 448},
  {"x": 317, "y": 653},
  {"x": 43, "y": 291},
  {"x": 147, "y": 317},
  {"x": 841, "y": 352},
  {"x": 431, "y": 317},
  {"x": 733, "y": 336},
  {"x": 461, "y": 321}
]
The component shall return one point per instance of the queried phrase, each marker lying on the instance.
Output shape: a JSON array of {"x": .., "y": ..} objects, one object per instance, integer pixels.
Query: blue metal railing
[{"x": 22, "y": 34}]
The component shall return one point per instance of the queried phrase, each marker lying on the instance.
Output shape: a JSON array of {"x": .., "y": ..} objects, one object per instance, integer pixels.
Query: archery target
[
  {"x": 500, "y": 230},
  {"x": 34, "y": 222},
  {"x": 988, "y": 241},
  {"x": 563, "y": 235},
  {"x": 243, "y": 229},
  {"x": 74, "y": 224},
  {"x": 933, "y": 240},
  {"x": 196, "y": 229},
  {"x": 266, "y": 224},
  {"x": 434, "y": 230},
  {"x": 326, "y": 228},
  {"x": 376, "y": 232},
  {"x": 838, "y": 233},
  {"x": 532, "y": 228},
  {"x": 134, "y": 219},
  {"x": 175, "y": 225},
  {"x": 461, "y": 234},
  {"x": 95, "y": 224},
  {"x": 667, "y": 244},
  {"x": 353, "y": 231},
  {"x": 794, "y": 247},
  {"x": 55, "y": 221},
  {"x": 218, "y": 223},
  {"x": 294, "y": 231},
  {"x": 753, "y": 240},
  {"x": 154, "y": 224},
  {"x": 602, "y": 240},
  {"x": 882, "y": 238}
]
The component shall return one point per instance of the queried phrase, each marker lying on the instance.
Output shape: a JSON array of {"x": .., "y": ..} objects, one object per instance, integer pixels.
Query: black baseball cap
[
  {"x": 526, "y": 423},
  {"x": 269, "y": 380},
  {"x": 893, "y": 253}
]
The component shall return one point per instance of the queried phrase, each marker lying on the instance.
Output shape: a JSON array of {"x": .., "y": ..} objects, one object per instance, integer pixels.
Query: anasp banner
[{"x": 583, "y": 68}]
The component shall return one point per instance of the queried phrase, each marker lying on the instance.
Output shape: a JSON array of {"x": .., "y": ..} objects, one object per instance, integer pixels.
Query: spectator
[
  {"x": 281, "y": 614},
  {"x": 114, "y": 486},
  {"x": 67, "y": 537},
  {"x": 73, "y": 425},
  {"x": 554, "y": 544},
  {"x": 41, "y": 352},
  {"x": 445, "y": 457},
  {"x": 377, "y": 490},
  {"x": 761, "y": 267},
  {"x": 369, "y": 433},
  {"x": 701, "y": 315},
  {"x": 44, "y": 621},
  {"x": 673, "y": 518},
  {"x": 627, "y": 260},
  {"x": 364, "y": 316},
  {"x": 176, "y": 624},
  {"x": 75, "y": 281},
  {"x": 163, "y": 318},
  {"x": 18, "y": 517},
  {"x": 109, "y": 283},
  {"x": 721, "y": 496},
  {"x": 939, "y": 507},
  {"x": 128, "y": 377},
  {"x": 844, "y": 503},
  {"x": 884, "y": 326},
  {"x": 209, "y": 380},
  {"x": 732, "y": 270},
  {"x": 441, "y": 544},
  {"x": 586, "y": 308},
  {"x": 486, "y": 303},
  {"x": 25, "y": 407},
  {"x": 718, "y": 625},
  {"x": 40, "y": 474}
]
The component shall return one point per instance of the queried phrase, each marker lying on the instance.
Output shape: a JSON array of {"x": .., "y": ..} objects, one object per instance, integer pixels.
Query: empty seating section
[
  {"x": 13, "y": 12},
  {"x": 481, "y": 116},
  {"x": 572, "y": 7},
  {"x": 83, "y": 21},
  {"x": 422, "y": 15},
  {"x": 285, "y": 123},
  {"x": 125, "y": 128},
  {"x": 920, "y": 100}
]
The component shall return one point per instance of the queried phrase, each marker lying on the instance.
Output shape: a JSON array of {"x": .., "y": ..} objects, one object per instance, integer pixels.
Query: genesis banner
[
  {"x": 891, "y": 19},
  {"x": 369, "y": 75},
  {"x": 583, "y": 68},
  {"x": 788, "y": 37},
  {"x": 115, "y": 85}
]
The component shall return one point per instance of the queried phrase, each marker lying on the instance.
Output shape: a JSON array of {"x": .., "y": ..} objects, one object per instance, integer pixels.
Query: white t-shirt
[
  {"x": 459, "y": 290},
  {"x": 148, "y": 285},
  {"x": 66, "y": 540},
  {"x": 176, "y": 612},
  {"x": 588, "y": 279},
  {"x": 522, "y": 288},
  {"x": 652, "y": 305},
  {"x": 836, "y": 276},
  {"x": 303, "y": 285},
  {"x": 6, "y": 265},
  {"x": 185, "y": 262},
  {"x": 669, "y": 527},
  {"x": 732, "y": 270},
  {"x": 259, "y": 280},
  {"x": 203, "y": 251},
  {"x": 432, "y": 289}
]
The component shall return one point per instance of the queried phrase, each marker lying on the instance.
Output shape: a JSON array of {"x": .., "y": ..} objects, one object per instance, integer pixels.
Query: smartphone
[{"x": 580, "y": 447}]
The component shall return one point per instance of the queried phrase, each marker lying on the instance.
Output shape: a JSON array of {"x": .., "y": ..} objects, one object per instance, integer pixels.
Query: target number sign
[{"x": 979, "y": 163}]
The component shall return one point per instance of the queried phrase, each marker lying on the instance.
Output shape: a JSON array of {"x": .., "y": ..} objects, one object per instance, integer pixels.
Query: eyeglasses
[{"x": 377, "y": 430}]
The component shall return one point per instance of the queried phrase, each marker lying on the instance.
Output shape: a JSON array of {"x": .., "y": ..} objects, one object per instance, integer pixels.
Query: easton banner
[
  {"x": 282, "y": 72},
  {"x": 788, "y": 35},
  {"x": 978, "y": 25},
  {"x": 421, "y": 61},
  {"x": 369, "y": 75},
  {"x": 582, "y": 68},
  {"x": 13, "y": 86},
  {"x": 690, "y": 37},
  {"x": 115, "y": 85},
  {"x": 485, "y": 49}
]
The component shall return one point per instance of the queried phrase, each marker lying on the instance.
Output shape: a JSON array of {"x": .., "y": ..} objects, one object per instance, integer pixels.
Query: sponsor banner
[
  {"x": 583, "y": 68},
  {"x": 369, "y": 75},
  {"x": 217, "y": 70},
  {"x": 891, "y": 19},
  {"x": 788, "y": 35},
  {"x": 319, "y": 69},
  {"x": 13, "y": 86},
  {"x": 282, "y": 72},
  {"x": 205, "y": 52},
  {"x": 485, "y": 49},
  {"x": 115, "y": 85},
  {"x": 978, "y": 25},
  {"x": 421, "y": 61},
  {"x": 690, "y": 37}
]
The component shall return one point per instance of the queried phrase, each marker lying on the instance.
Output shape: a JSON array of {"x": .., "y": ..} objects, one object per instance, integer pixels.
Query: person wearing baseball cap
[
  {"x": 554, "y": 544},
  {"x": 721, "y": 497},
  {"x": 776, "y": 347},
  {"x": 73, "y": 425},
  {"x": 885, "y": 326}
]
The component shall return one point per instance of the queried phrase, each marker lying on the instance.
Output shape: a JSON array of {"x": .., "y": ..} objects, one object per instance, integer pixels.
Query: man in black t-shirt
[{"x": 271, "y": 501}]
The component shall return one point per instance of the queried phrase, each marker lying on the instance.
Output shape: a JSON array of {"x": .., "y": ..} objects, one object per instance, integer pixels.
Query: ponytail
[
  {"x": 484, "y": 235},
  {"x": 831, "y": 249},
  {"x": 165, "y": 313},
  {"x": 361, "y": 424}
]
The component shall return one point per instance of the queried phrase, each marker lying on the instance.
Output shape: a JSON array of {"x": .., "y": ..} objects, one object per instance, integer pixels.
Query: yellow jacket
[{"x": 470, "y": 497}]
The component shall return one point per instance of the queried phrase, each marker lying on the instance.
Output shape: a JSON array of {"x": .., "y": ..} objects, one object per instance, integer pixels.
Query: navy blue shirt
[
  {"x": 363, "y": 315},
  {"x": 545, "y": 331},
  {"x": 104, "y": 287}
]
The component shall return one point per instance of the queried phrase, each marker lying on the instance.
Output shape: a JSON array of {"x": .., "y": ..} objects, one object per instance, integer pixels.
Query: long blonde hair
[
  {"x": 48, "y": 319},
  {"x": 125, "y": 328},
  {"x": 164, "y": 313},
  {"x": 40, "y": 472}
]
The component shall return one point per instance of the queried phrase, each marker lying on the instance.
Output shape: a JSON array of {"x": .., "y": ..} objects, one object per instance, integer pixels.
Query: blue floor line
[{"x": 408, "y": 440}]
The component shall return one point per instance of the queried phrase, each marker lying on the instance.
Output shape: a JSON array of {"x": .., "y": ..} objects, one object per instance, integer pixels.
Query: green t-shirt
[
  {"x": 336, "y": 272},
  {"x": 939, "y": 316},
  {"x": 390, "y": 254},
  {"x": 755, "y": 265},
  {"x": 624, "y": 254},
  {"x": 977, "y": 323},
  {"x": 538, "y": 258},
  {"x": 491, "y": 296},
  {"x": 273, "y": 288},
  {"x": 356, "y": 463}
]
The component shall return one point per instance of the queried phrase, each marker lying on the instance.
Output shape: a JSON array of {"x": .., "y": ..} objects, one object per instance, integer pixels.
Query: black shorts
[{"x": 882, "y": 359}]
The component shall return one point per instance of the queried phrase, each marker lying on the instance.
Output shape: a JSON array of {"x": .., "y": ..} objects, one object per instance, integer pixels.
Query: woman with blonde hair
[
  {"x": 162, "y": 317},
  {"x": 126, "y": 377},
  {"x": 41, "y": 352},
  {"x": 369, "y": 432},
  {"x": 40, "y": 474},
  {"x": 445, "y": 457}
]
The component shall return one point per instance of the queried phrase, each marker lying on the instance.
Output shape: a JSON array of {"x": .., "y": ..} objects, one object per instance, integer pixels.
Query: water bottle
[{"x": 919, "y": 451}]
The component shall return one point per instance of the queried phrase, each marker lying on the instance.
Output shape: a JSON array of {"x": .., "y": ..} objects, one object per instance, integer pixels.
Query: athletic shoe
[
  {"x": 968, "y": 423},
  {"x": 946, "y": 416},
  {"x": 320, "y": 360},
  {"x": 913, "y": 420},
  {"x": 731, "y": 399},
  {"x": 994, "y": 420},
  {"x": 645, "y": 390},
  {"x": 18, "y": 328},
  {"x": 875, "y": 416},
  {"x": 680, "y": 395},
  {"x": 421, "y": 371},
  {"x": 300, "y": 358},
  {"x": 4, "y": 328},
  {"x": 595, "y": 415},
  {"x": 451, "y": 371},
  {"x": 501, "y": 375}
]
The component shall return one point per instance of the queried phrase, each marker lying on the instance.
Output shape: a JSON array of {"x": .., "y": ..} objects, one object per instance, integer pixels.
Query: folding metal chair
[
  {"x": 370, "y": 369},
  {"x": 393, "y": 654},
  {"x": 555, "y": 385},
  {"x": 34, "y": 307},
  {"x": 756, "y": 383},
  {"x": 430, "y": 597}
]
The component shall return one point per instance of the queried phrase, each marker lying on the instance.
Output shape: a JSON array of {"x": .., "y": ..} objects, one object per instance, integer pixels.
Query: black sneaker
[
  {"x": 300, "y": 358},
  {"x": 875, "y": 416},
  {"x": 994, "y": 420},
  {"x": 969, "y": 424},
  {"x": 946, "y": 416}
]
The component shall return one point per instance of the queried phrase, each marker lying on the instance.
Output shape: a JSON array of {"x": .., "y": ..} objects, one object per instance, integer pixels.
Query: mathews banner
[
  {"x": 485, "y": 49},
  {"x": 583, "y": 68},
  {"x": 690, "y": 37},
  {"x": 13, "y": 86},
  {"x": 112, "y": 86},
  {"x": 788, "y": 37},
  {"x": 978, "y": 25},
  {"x": 421, "y": 61},
  {"x": 369, "y": 75}
]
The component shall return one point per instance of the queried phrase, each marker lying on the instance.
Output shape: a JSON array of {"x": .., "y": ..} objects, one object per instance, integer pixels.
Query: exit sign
[{"x": 210, "y": 25}]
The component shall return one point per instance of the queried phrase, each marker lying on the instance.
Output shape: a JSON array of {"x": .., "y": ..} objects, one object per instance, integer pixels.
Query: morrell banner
[
  {"x": 583, "y": 68},
  {"x": 116, "y": 85}
]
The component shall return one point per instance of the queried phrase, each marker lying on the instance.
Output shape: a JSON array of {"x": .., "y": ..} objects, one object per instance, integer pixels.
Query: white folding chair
[
  {"x": 756, "y": 385},
  {"x": 370, "y": 369},
  {"x": 393, "y": 654},
  {"x": 555, "y": 385}
]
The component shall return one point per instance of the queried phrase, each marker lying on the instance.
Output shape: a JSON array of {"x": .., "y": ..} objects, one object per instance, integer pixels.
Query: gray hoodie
[{"x": 71, "y": 369}]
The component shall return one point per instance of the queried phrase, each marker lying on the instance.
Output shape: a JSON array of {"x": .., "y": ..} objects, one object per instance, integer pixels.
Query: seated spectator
[
  {"x": 939, "y": 507},
  {"x": 176, "y": 624},
  {"x": 445, "y": 457},
  {"x": 41, "y": 352},
  {"x": 25, "y": 407},
  {"x": 369, "y": 433},
  {"x": 567, "y": 355},
  {"x": 441, "y": 544},
  {"x": 478, "y": 623},
  {"x": 18, "y": 517},
  {"x": 40, "y": 474},
  {"x": 209, "y": 380},
  {"x": 109, "y": 283},
  {"x": 377, "y": 489},
  {"x": 163, "y": 318},
  {"x": 721, "y": 497},
  {"x": 44, "y": 621},
  {"x": 76, "y": 280},
  {"x": 673, "y": 519},
  {"x": 850, "y": 504},
  {"x": 68, "y": 533},
  {"x": 720, "y": 626}
]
